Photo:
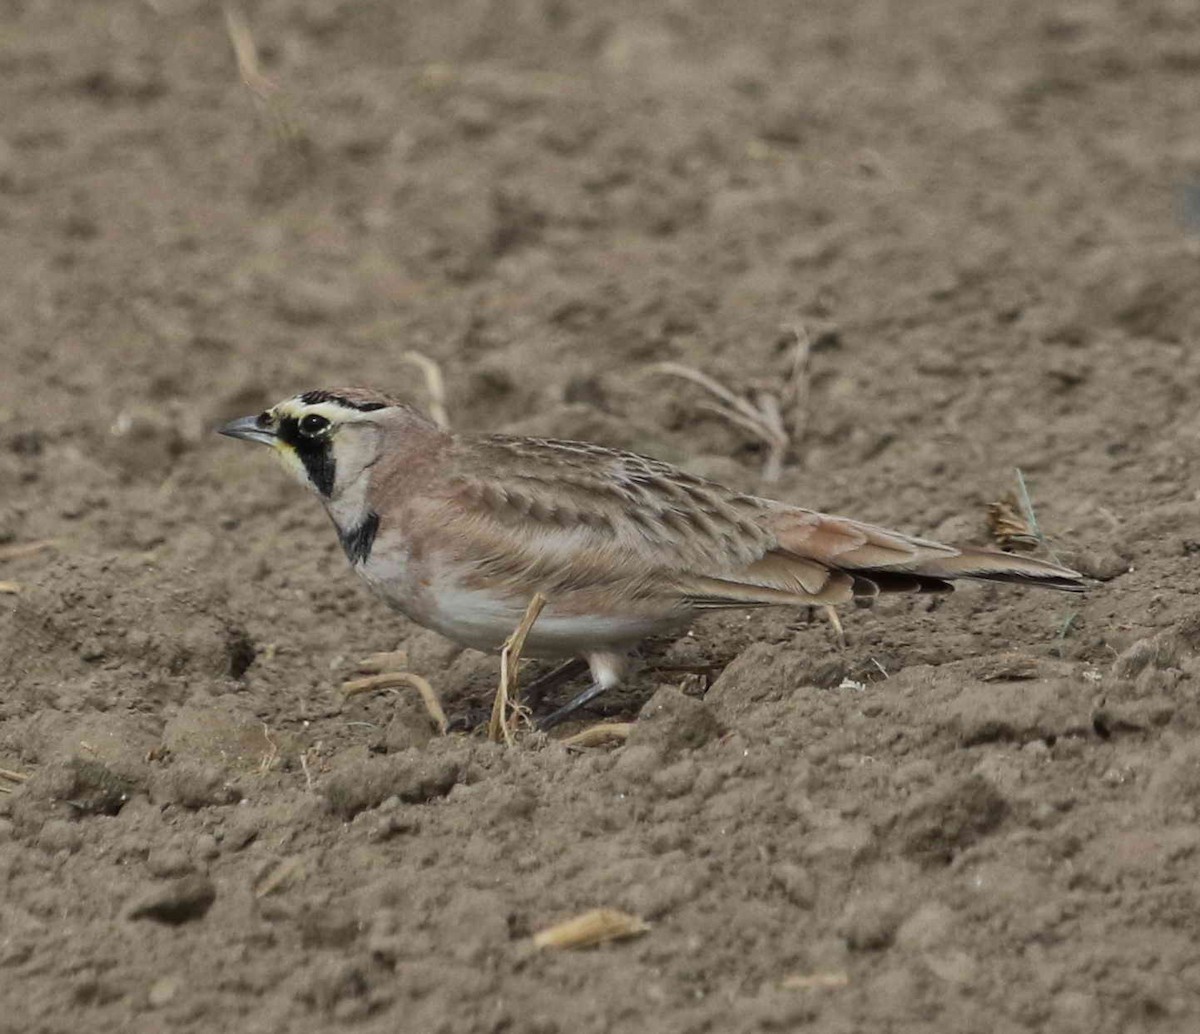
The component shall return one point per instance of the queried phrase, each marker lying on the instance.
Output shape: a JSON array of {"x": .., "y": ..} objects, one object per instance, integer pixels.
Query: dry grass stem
[
  {"x": 246, "y": 53},
  {"x": 21, "y": 549},
  {"x": 591, "y": 928},
  {"x": 815, "y": 981},
  {"x": 396, "y": 679},
  {"x": 794, "y": 399},
  {"x": 714, "y": 387},
  {"x": 774, "y": 415},
  {"x": 393, "y": 660},
  {"x": 1008, "y": 529},
  {"x": 1030, "y": 516},
  {"x": 272, "y": 754},
  {"x": 15, "y": 777},
  {"x": 839, "y": 633},
  {"x": 285, "y": 872},
  {"x": 9, "y": 588},
  {"x": 507, "y": 712},
  {"x": 265, "y": 92},
  {"x": 1012, "y": 522},
  {"x": 602, "y": 735},
  {"x": 435, "y": 385}
]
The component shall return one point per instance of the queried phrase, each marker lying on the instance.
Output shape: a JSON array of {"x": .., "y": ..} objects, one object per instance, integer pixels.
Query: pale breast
[
  {"x": 443, "y": 591},
  {"x": 391, "y": 573},
  {"x": 485, "y": 620},
  {"x": 447, "y": 602}
]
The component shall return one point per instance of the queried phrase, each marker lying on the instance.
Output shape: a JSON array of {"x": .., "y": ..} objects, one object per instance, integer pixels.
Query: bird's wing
[
  {"x": 565, "y": 517},
  {"x": 562, "y": 517}
]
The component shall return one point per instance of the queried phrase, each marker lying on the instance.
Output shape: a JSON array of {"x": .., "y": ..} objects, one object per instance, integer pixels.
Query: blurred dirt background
[{"x": 982, "y": 815}]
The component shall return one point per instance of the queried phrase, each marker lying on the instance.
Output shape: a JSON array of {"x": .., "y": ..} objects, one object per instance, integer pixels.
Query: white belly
[{"x": 484, "y": 620}]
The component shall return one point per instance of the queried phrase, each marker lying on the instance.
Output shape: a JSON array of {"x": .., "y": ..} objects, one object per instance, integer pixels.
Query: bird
[{"x": 459, "y": 532}]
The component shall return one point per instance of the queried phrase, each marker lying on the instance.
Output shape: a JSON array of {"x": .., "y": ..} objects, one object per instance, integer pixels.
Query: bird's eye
[
  {"x": 264, "y": 419},
  {"x": 313, "y": 425}
]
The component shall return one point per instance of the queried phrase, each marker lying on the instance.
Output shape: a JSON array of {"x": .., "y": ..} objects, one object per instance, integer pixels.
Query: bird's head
[{"x": 327, "y": 439}]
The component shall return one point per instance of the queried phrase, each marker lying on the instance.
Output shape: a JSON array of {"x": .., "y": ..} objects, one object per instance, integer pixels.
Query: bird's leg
[
  {"x": 607, "y": 669},
  {"x": 571, "y": 706},
  {"x": 543, "y": 684}
]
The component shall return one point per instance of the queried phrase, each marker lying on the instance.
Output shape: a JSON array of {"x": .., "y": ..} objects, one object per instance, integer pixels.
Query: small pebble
[{"x": 163, "y": 991}]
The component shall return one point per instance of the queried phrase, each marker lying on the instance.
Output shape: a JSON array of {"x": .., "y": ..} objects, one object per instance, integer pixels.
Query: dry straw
[
  {"x": 394, "y": 680},
  {"x": 592, "y": 928},
  {"x": 435, "y": 386},
  {"x": 23, "y": 549},
  {"x": 12, "y": 777},
  {"x": 829, "y": 981},
  {"x": 775, "y": 415},
  {"x": 603, "y": 735},
  {"x": 507, "y": 712}
]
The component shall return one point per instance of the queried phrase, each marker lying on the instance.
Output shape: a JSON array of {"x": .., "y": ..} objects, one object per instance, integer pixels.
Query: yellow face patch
[{"x": 303, "y": 441}]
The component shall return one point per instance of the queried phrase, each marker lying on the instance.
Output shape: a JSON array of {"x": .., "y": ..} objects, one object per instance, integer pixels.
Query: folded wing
[{"x": 561, "y": 517}]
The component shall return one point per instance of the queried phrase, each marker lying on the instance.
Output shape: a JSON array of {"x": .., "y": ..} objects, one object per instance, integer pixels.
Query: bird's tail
[
  {"x": 990, "y": 565},
  {"x": 864, "y": 559}
]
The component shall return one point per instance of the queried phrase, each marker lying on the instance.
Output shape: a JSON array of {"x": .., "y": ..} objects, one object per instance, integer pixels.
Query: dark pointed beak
[{"x": 249, "y": 428}]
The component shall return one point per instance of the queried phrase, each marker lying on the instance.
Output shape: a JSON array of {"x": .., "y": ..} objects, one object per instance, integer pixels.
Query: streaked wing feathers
[{"x": 546, "y": 515}]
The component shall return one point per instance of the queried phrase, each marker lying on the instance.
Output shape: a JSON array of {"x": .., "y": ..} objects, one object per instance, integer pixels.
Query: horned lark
[{"x": 458, "y": 532}]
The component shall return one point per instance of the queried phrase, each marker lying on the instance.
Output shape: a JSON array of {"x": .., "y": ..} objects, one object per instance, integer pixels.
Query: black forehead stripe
[{"x": 313, "y": 398}]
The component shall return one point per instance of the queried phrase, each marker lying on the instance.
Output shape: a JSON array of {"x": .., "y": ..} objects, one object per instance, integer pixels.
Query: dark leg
[
  {"x": 532, "y": 694},
  {"x": 571, "y": 706}
]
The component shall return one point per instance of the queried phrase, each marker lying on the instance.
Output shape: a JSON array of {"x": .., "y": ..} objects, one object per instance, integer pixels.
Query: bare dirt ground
[{"x": 982, "y": 815}]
